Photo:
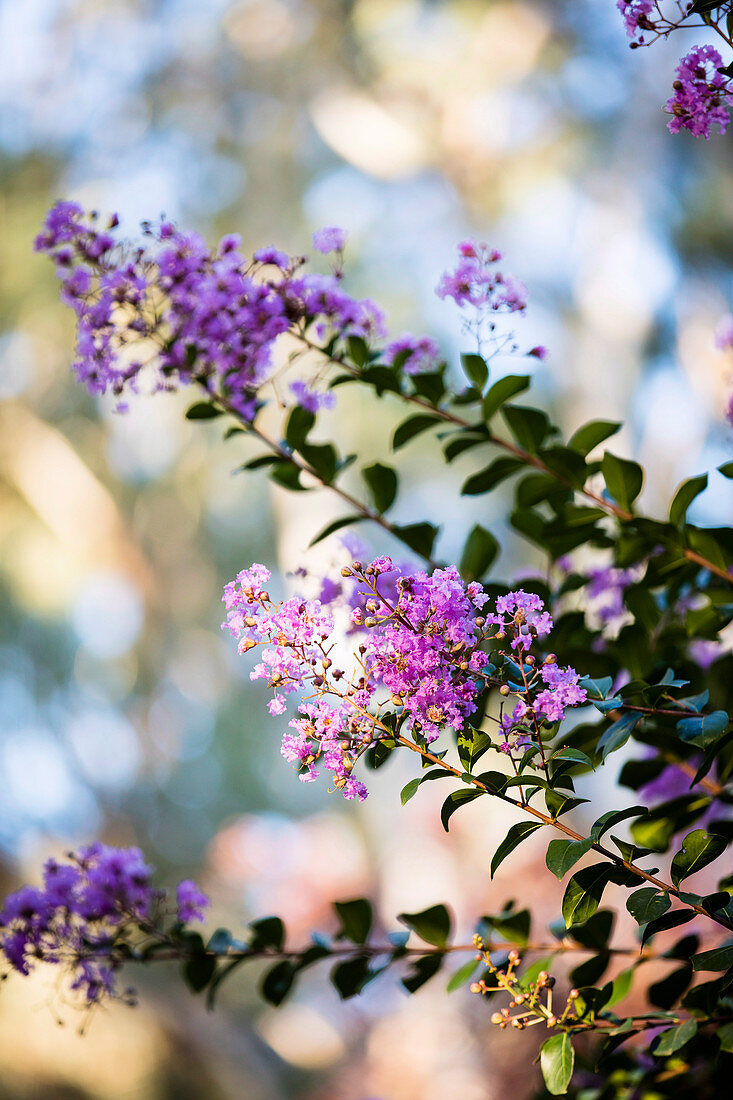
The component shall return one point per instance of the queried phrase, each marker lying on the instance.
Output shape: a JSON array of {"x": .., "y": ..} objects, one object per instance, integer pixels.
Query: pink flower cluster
[
  {"x": 424, "y": 655},
  {"x": 477, "y": 282},
  {"x": 701, "y": 94}
]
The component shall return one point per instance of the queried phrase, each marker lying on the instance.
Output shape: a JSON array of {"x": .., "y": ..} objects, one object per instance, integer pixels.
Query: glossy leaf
[
  {"x": 623, "y": 478},
  {"x": 516, "y": 834},
  {"x": 382, "y": 482},
  {"x": 699, "y": 848},
  {"x": 432, "y": 925},
  {"x": 557, "y": 1059}
]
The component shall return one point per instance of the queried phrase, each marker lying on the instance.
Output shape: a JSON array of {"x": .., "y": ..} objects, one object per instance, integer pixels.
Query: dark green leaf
[
  {"x": 699, "y": 848},
  {"x": 720, "y": 958},
  {"x": 267, "y": 932},
  {"x": 203, "y": 410},
  {"x": 684, "y": 497},
  {"x": 591, "y": 434},
  {"x": 356, "y": 919},
  {"x": 613, "y": 817},
  {"x": 528, "y": 426},
  {"x": 703, "y": 729},
  {"x": 198, "y": 972},
  {"x": 584, "y": 892},
  {"x": 479, "y": 552},
  {"x": 299, "y": 424},
  {"x": 476, "y": 369},
  {"x": 647, "y": 904},
  {"x": 618, "y": 734},
  {"x": 278, "y": 982},
  {"x": 418, "y": 536},
  {"x": 514, "y": 837},
  {"x": 491, "y": 475},
  {"x": 382, "y": 482},
  {"x": 411, "y": 427},
  {"x": 333, "y": 526},
  {"x": 351, "y": 976},
  {"x": 623, "y": 478},
  {"x": 502, "y": 391},
  {"x": 432, "y": 925},
  {"x": 421, "y": 971},
  {"x": 564, "y": 854}
]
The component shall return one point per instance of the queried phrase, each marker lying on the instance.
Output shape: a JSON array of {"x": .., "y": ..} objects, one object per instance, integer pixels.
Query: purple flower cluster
[
  {"x": 86, "y": 907},
  {"x": 415, "y": 354},
  {"x": 701, "y": 94},
  {"x": 477, "y": 282},
  {"x": 636, "y": 17},
  {"x": 522, "y": 615},
  {"x": 189, "y": 312},
  {"x": 424, "y": 654}
]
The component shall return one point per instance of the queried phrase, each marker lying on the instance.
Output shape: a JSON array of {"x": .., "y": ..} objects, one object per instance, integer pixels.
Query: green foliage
[{"x": 557, "y": 1059}]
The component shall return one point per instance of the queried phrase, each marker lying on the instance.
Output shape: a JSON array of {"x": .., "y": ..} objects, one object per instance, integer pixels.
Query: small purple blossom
[
  {"x": 701, "y": 94},
  {"x": 191, "y": 902},
  {"x": 417, "y": 354},
  {"x": 636, "y": 17},
  {"x": 310, "y": 399},
  {"x": 724, "y": 333},
  {"x": 329, "y": 239}
]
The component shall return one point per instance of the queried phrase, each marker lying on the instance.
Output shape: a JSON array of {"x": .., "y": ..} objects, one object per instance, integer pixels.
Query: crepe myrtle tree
[{"x": 469, "y": 676}]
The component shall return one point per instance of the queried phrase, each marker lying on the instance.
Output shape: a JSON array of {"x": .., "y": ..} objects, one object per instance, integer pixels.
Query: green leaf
[
  {"x": 333, "y": 526},
  {"x": 618, "y": 734},
  {"x": 278, "y": 982},
  {"x": 514, "y": 837},
  {"x": 479, "y": 552},
  {"x": 422, "y": 971},
  {"x": 461, "y": 976},
  {"x": 410, "y": 789},
  {"x": 557, "y": 1059},
  {"x": 674, "y": 1039},
  {"x": 350, "y": 977},
  {"x": 382, "y": 482},
  {"x": 507, "y": 387},
  {"x": 203, "y": 410},
  {"x": 358, "y": 350},
  {"x": 725, "y": 1035},
  {"x": 684, "y": 497},
  {"x": 413, "y": 426},
  {"x": 564, "y": 854},
  {"x": 267, "y": 932},
  {"x": 432, "y": 925},
  {"x": 356, "y": 919},
  {"x": 726, "y": 470},
  {"x": 623, "y": 478},
  {"x": 613, "y": 817},
  {"x": 528, "y": 426},
  {"x": 720, "y": 958},
  {"x": 699, "y": 848},
  {"x": 664, "y": 923},
  {"x": 584, "y": 892},
  {"x": 491, "y": 475},
  {"x": 418, "y": 536},
  {"x": 198, "y": 971},
  {"x": 647, "y": 904},
  {"x": 454, "y": 801},
  {"x": 703, "y": 729},
  {"x": 299, "y": 424},
  {"x": 597, "y": 689},
  {"x": 476, "y": 369},
  {"x": 591, "y": 434},
  {"x": 322, "y": 458},
  {"x": 620, "y": 986}
]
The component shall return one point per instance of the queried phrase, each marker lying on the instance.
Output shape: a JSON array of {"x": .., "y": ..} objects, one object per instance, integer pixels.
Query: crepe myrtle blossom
[
  {"x": 90, "y": 903},
  {"x": 477, "y": 282},
  {"x": 636, "y": 19},
  {"x": 425, "y": 652},
  {"x": 175, "y": 311},
  {"x": 701, "y": 94},
  {"x": 329, "y": 239}
]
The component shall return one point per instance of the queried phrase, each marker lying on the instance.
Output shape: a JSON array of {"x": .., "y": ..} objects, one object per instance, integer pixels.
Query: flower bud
[
  {"x": 504, "y": 689},
  {"x": 346, "y": 572}
]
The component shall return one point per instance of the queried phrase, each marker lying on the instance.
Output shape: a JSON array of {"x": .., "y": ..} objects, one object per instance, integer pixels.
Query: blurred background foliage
[{"x": 125, "y": 714}]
